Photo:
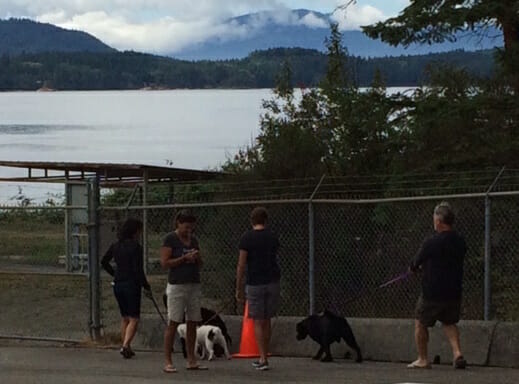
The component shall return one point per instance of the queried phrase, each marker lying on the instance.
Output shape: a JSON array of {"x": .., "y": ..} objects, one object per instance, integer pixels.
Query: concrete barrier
[
  {"x": 504, "y": 351},
  {"x": 483, "y": 343}
]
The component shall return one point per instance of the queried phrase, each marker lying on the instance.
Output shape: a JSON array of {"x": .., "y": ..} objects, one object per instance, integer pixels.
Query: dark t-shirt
[
  {"x": 128, "y": 258},
  {"x": 441, "y": 258},
  {"x": 184, "y": 273},
  {"x": 262, "y": 264}
]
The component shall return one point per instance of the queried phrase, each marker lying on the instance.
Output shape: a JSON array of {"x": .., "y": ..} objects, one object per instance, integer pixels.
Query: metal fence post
[
  {"x": 145, "y": 220},
  {"x": 488, "y": 291},
  {"x": 311, "y": 258},
  {"x": 93, "y": 259},
  {"x": 488, "y": 247},
  {"x": 68, "y": 231},
  {"x": 311, "y": 249}
]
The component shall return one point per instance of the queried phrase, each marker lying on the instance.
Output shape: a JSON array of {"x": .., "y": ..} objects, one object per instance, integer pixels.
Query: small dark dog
[
  {"x": 209, "y": 317},
  {"x": 326, "y": 329}
]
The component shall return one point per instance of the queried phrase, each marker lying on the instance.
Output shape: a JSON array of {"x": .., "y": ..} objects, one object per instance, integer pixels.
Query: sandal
[
  {"x": 169, "y": 369},
  {"x": 126, "y": 353},
  {"x": 415, "y": 365},
  {"x": 460, "y": 363}
]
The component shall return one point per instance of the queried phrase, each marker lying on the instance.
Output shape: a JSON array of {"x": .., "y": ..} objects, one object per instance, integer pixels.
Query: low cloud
[
  {"x": 167, "y": 26},
  {"x": 313, "y": 21},
  {"x": 355, "y": 16},
  {"x": 165, "y": 35}
]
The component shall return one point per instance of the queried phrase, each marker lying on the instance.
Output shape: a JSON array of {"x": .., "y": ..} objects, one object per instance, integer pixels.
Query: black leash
[
  {"x": 158, "y": 309},
  {"x": 205, "y": 323},
  {"x": 219, "y": 312}
]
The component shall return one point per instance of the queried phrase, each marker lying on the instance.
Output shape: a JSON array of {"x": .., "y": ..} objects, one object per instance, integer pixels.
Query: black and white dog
[
  {"x": 207, "y": 338},
  {"x": 325, "y": 329},
  {"x": 209, "y": 317}
]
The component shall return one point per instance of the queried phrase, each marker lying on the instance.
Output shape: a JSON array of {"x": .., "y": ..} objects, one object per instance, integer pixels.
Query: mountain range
[
  {"x": 308, "y": 29},
  {"x": 19, "y": 36},
  {"x": 298, "y": 28}
]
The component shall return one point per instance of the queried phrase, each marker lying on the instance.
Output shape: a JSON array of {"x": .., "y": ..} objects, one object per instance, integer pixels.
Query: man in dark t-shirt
[
  {"x": 258, "y": 255},
  {"x": 441, "y": 261}
]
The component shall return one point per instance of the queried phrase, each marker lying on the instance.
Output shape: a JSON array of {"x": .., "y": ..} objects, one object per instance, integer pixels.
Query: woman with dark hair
[
  {"x": 129, "y": 278},
  {"x": 180, "y": 254}
]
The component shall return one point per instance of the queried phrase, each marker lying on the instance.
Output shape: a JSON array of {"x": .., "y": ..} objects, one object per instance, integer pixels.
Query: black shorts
[
  {"x": 128, "y": 296},
  {"x": 429, "y": 312}
]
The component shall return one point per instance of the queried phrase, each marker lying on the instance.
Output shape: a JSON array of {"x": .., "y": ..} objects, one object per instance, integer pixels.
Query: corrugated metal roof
[{"x": 108, "y": 172}]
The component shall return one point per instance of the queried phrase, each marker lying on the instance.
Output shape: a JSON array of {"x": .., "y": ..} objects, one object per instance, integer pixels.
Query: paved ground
[{"x": 20, "y": 363}]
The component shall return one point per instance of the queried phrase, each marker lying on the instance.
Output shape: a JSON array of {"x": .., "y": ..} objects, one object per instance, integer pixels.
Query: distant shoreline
[{"x": 174, "y": 89}]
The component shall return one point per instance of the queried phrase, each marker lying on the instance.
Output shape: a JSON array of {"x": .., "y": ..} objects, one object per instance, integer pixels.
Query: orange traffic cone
[{"x": 248, "y": 344}]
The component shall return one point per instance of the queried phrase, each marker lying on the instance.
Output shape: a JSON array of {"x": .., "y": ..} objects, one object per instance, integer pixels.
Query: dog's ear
[{"x": 210, "y": 335}]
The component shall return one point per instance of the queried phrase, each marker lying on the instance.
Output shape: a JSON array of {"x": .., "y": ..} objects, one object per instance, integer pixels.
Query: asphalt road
[{"x": 22, "y": 364}]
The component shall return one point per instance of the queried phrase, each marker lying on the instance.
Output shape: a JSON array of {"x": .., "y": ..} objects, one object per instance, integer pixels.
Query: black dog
[
  {"x": 326, "y": 329},
  {"x": 209, "y": 317}
]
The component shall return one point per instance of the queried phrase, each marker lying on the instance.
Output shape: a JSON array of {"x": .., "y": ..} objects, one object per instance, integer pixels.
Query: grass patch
[{"x": 32, "y": 241}]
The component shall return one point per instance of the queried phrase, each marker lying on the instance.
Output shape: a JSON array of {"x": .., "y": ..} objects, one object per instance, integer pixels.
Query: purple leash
[{"x": 402, "y": 276}]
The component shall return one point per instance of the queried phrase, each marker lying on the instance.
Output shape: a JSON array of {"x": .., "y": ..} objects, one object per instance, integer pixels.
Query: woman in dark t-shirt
[
  {"x": 129, "y": 278},
  {"x": 180, "y": 254}
]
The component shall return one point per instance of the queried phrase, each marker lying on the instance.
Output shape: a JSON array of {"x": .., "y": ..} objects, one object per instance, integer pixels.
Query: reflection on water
[
  {"x": 37, "y": 129},
  {"x": 36, "y": 147}
]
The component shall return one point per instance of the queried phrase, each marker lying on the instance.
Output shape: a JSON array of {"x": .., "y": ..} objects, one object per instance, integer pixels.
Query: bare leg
[
  {"x": 453, "y": 335},
  {"x": 169, "y": 339},
  {"x": 124, "y": 324},
  {"x": 190, "y": 343},
  {"x": 421, "y": 336},
  {"x": 267, "y": 330},
  {"x": 131, "y": 330},
  {"x": 261, "y": 330}
]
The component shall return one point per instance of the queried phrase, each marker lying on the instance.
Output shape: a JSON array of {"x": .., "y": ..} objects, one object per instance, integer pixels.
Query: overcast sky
[{"x": 167, "y": 26}]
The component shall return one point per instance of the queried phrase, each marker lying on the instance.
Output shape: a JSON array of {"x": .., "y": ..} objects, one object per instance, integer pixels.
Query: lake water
[{"x": 192, "y": 128}]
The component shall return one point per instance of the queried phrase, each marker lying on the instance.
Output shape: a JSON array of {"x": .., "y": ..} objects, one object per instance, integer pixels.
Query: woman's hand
[{"x": 191, "y": 257}]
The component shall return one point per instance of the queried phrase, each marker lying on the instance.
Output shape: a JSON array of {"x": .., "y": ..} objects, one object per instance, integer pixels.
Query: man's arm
[
  {"x": 420, "y": 258},
  {"x": 240, "y": 273}
]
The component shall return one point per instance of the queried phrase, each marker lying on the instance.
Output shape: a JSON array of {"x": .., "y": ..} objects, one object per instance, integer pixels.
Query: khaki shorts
[
  {"x": 429, "y": 312},
  {"x": 184, "y": 299}
]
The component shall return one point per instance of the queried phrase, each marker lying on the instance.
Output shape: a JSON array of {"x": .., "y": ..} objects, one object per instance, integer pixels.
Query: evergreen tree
[{"x": 435, "y": 21}]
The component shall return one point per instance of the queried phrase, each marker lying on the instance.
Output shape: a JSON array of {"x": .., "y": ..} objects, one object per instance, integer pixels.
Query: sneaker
[
  {"x": 256, "y": 363},
  {"x": 262, "y": 367}
]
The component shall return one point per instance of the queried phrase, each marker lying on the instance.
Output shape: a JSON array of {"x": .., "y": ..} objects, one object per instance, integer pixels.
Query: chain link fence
[
  {"x": 358, "y": 245},
  {"x": 336, "y": 249},
  {"x": 219, "y": 229},
  {"x": 39, "y": 298}
]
